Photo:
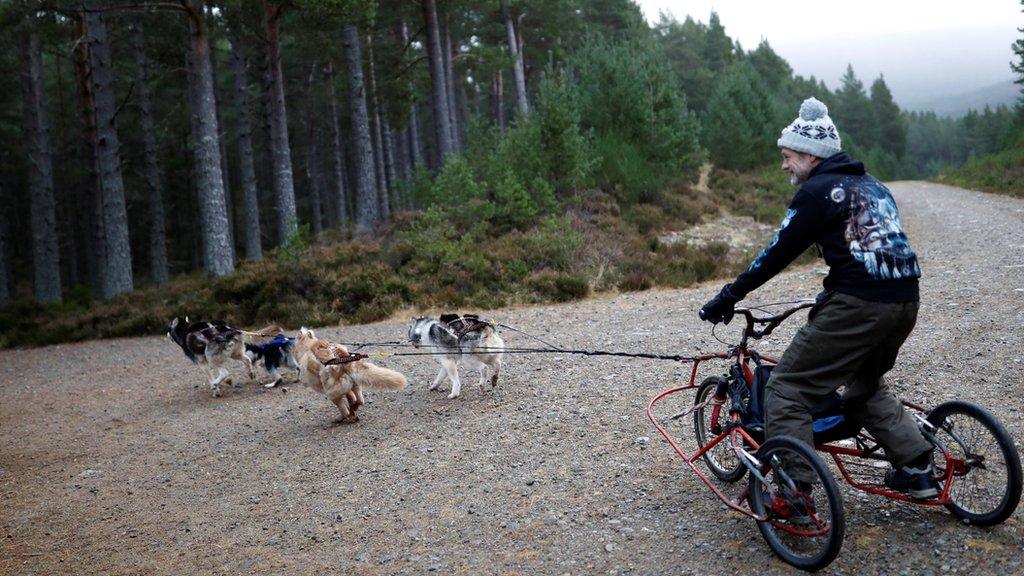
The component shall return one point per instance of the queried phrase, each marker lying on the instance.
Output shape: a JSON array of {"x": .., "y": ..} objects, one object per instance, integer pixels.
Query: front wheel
[
  {"x": 722, "y": 459},
  {"x": 986, "y": 470},
  {"x": 795, "y": 492}
]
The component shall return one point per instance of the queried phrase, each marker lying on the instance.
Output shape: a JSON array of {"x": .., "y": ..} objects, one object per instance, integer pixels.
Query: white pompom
[{"x": 812, "y": 109}]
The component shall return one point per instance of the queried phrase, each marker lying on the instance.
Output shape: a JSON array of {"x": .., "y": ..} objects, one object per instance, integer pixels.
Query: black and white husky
[
  {"x": 275, "y": 354},
  {"x": 457, "y": 340},
  {"x": 210, "y": 344}
]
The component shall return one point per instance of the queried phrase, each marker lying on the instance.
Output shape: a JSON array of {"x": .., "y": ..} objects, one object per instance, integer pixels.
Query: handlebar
[{"x": 772, "y": 322}]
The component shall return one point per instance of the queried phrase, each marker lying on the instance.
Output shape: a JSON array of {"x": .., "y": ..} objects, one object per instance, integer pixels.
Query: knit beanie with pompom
[{"x": 812, "y": 132}]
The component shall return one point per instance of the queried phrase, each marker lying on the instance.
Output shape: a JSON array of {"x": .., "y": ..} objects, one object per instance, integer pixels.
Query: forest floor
[{"x": 116, "y": 460}]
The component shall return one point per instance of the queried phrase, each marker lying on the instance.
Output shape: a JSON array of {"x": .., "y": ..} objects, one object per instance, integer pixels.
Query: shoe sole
[{"x": 923, "y": 494}]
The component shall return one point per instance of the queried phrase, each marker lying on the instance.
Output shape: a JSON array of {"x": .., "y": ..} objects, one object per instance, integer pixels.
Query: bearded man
[{"x": 867, "y": 309}]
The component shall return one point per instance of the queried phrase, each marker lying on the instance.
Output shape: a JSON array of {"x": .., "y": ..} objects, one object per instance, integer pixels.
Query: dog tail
[{"x": 374, "y": 377}]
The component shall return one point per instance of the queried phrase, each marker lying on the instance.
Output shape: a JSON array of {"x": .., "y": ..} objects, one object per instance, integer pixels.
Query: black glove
[{"x": 720, "y": 308}]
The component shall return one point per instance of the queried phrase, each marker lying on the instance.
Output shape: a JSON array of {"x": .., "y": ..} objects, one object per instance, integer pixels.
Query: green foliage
[
  {"x": 684, "y": 44},
  {"x": 852, "y": 113},
  {"x": 463, "y": 196},
  {"x": 566, "y": 150},
  {"x": 774, "y": 70},
  {"x": 891, "y": 129},
  {"x": 1018, "y": 66},
  {"x": 718, "y": 48},
  {"x": 333, "y": 13},
  {"x": 737, "y": 127},
  {"x": 672, "y": 266},
  {"x": 546, "y": 152},
  {"x": 552, "y": 286},
  {"x": 623, "y": 169},
  {"x": 628, "y": 89},
  {"x": 762, "y": 194},
  {"x": 296, "y": 244},
  {"x": 1002, "y": 172},
  {"x": 514, "y": 207}
]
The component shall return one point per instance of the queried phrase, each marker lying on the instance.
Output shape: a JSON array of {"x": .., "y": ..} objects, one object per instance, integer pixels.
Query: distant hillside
[{"x": 1003, "y": 93}]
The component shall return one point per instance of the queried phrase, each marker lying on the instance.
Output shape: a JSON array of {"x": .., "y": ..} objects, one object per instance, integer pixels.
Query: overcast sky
[{"x": 924, "y": 49}]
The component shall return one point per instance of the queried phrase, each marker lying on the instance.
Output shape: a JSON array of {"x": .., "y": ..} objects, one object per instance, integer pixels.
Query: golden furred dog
[{"x": 326, "y": 367}]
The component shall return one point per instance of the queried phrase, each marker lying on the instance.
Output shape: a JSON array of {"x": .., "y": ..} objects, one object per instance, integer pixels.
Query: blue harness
[{"x": 277, "y": 342}]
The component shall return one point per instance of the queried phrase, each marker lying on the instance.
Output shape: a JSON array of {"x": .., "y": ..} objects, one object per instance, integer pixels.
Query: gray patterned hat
[{"x": 812, "y": 132}]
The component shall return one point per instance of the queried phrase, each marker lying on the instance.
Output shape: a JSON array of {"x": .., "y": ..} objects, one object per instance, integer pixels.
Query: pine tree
[
  {"x": 1018, "y": 66},
  {"x": 718, "y": 51},
  {"x": 890, "y": 128},
  {"x": 738, "y": 128},
  {"x": 852, "y": 112},
  {"x": 45, "y": 249}
]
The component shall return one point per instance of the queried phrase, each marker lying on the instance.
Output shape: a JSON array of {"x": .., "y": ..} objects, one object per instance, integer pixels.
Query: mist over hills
[
  {"x": 1003, "y": 93},
  {"x": 948, "y": 71}
]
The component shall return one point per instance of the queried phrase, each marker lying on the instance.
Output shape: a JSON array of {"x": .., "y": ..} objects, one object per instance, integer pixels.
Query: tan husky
[{"x": 342, "y": 383}]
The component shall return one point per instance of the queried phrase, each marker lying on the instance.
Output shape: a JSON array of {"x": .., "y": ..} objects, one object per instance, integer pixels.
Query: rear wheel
[
  {"x": 804, "y": 522},
  {"x": 987, "y": 477},
  {"x": 722, "y": 459}
]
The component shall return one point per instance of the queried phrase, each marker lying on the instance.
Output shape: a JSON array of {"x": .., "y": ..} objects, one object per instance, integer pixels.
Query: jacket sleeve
[{"x": 798, "y": 231}]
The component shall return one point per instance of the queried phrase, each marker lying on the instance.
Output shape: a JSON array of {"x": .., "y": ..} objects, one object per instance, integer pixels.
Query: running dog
[
  {"x": 209, "y": 344},
  {"x": 275, "y": 353},
  {"x": 457, "y": 340},
  {"x": 329, "y": 368}
]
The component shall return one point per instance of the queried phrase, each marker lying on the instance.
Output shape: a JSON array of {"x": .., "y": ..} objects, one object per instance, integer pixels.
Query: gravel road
[{"x": 114, "y": 459}]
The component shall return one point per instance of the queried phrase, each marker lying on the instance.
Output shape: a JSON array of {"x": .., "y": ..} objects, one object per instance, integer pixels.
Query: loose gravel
[{"x": 116, "y": 460}]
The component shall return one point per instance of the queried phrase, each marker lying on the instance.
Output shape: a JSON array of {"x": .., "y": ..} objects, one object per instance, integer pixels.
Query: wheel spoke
[{"x": 986, "y": 488}]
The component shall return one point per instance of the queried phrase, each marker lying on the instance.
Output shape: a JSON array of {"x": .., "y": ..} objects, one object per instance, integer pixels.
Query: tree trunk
[
  {"x": 388, "y": 144},
  {"x": 67, "y": 214},
  {"x": 367, "y": 204},
  {"x": 449, "y": 84},
  {"x": 218, "y": 259},
  {"x": 108, "y": 159},
  {"x": 284, "y": 186},
  {"x": 463, "y": 108},
  {"x": 515, "y": 49},
  {"x": 222, "y": 148},
  {"x": 401, "y": 137},
  {"x": 89, "y": 190},
  {"x": 314, "y": 174},
  {"x": 380, "y": 159},
  {"x": 439, "y": 91},
  {"x": 250, "y": 196},
  {"x": 5, "y": 263},
  {"x": 341, "y": 200},
  {"x": 45, "y": 245},
  {"x": 151, "y": 170},
  {"x": 498, "y": 99},
  {"x": 415, "y": 155}
]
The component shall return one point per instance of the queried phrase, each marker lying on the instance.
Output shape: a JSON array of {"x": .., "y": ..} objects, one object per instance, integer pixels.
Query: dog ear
[{"x": 186, "y": 319}]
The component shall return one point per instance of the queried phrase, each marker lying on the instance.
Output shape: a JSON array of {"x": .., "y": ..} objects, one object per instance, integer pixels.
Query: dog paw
[
  {"x": 452, "y": 396},
  {"x": 272, "y": 384},
  {"x": 432, "y": 387}
]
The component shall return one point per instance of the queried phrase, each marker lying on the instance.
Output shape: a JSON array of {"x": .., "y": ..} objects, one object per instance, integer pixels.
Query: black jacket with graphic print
[{"x": 853, "y": 219}]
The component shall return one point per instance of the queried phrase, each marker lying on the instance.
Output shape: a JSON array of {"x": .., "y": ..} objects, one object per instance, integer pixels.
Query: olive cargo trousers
[{"x": 847, "y": 342}]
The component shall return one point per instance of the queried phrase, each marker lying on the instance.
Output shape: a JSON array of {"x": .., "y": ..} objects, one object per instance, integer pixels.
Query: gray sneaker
[{"x": 919, "y": 483}]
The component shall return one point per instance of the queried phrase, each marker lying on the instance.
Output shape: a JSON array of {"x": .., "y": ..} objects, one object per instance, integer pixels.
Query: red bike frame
[{"x": 743, "y": 356}]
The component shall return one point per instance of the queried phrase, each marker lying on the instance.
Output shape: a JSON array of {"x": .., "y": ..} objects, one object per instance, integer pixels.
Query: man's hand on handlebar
[{"x": 720, "y": 308}]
